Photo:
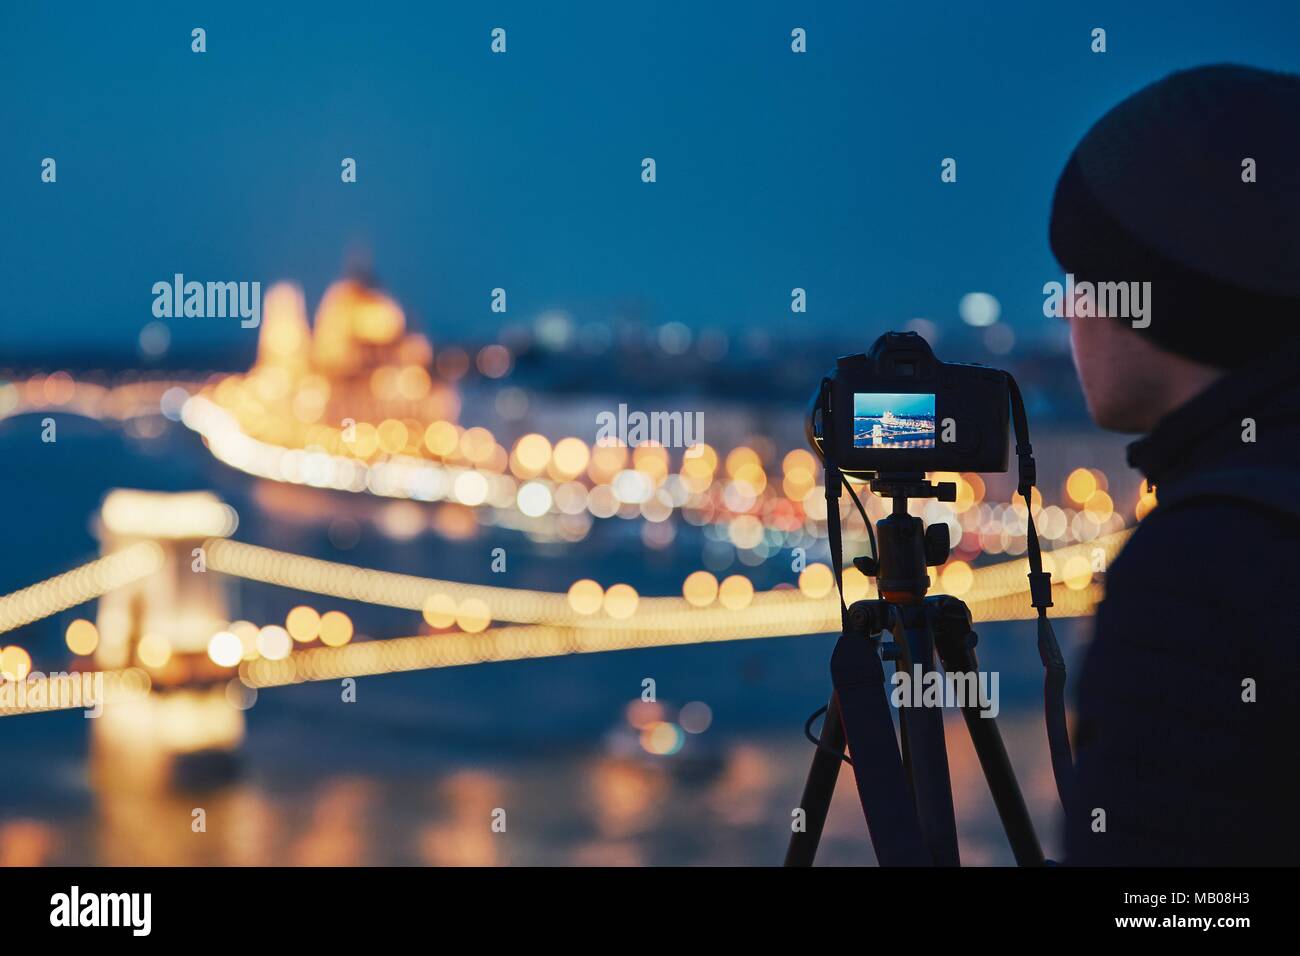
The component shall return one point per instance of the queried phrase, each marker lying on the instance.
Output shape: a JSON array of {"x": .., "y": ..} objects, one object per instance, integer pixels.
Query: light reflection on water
[
  {"x": 591, "y": 809},
  {"x": 413, "y": 772}
]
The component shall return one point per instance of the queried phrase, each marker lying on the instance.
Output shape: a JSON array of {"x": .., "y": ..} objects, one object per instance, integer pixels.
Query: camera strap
[
  {"x": 1040, "y": 596},
  {"x": 834, "y": 481},
  {"x": 858, "y": 677}
]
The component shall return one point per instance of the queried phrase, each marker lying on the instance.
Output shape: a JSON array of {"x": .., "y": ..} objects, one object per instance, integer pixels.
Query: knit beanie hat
[{"x": 1193, "y": 184}]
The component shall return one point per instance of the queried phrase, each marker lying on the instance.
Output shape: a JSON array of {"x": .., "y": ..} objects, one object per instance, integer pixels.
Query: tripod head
[
  {"x": 905, "y": 546},
  {"x": 904, "y": 485}
]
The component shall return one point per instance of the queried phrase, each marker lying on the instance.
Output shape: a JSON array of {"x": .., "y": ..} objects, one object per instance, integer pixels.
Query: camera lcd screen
[{"x": 893, "y": 420}]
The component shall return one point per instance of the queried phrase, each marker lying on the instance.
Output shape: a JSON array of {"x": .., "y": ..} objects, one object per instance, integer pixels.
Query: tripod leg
[
  {"x": 859, "y": 679},
  {"x": 1007, "y": 798},
  {"x": 926, "y": 748},
  {"x": 819, "y": 788},
  {"x": 959, "y": 658}
]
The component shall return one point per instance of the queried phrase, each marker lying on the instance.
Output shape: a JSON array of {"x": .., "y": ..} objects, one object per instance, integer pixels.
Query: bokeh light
[
  {"x": 695, "y": 717},
  {"x": 662, "y": 738},
  {"x": 700, "y": 589},
  {"x": 736, "y": 592},
  {"x": 979, "y": 309},
  {"x": 440, "y": 611},
  {"x": 82, "y": 637},
  {"x": 586, "y": 596},
  {"x": 274, "y": 642},
  {"x": 225, "y": 649},
  {"x": 621, "y": 601},
  {"x": 303, "y": 624},
  {"x": 154, "y": 650},
  {"x": 15, "y": 663},
  {"x": 335, "y": 629},
  {"x": 816, "y": 581}
]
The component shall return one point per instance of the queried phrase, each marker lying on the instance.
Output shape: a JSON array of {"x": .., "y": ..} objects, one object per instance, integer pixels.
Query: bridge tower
[{"x": 188, "y": 728}]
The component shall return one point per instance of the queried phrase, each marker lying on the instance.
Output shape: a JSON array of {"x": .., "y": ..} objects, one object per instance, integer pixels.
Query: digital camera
[{"x": 897, "y": 408}]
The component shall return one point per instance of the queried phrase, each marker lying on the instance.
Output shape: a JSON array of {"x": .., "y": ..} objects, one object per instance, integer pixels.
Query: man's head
[
  {"x": 1129, "y": 383},
  {"x": 1190, "y": 189}
]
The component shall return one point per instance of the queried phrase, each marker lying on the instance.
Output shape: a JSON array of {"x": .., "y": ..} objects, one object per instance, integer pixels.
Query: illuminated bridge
[
  {"x": 162, "y": 625},
  {"x": 350, "y": 406}
]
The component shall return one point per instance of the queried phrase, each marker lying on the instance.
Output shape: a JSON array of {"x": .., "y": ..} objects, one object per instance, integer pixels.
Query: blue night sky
[
  {"x": 523, "y": 171},
  {"x": 904, "y": 405}
]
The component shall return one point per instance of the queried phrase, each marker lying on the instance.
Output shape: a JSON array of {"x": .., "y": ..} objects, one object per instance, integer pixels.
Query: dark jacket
[{"x": 1202, "y": 598}]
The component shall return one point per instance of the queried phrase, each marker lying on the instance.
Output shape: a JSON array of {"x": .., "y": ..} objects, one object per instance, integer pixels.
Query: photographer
[{"x": 1186, "y": 733}]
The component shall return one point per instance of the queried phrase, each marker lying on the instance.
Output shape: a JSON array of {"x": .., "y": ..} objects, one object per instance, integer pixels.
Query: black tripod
[{"x": 903, "y": 781}]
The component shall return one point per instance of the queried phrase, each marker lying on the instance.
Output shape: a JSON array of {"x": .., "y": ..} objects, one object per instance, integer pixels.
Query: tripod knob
[{"x": 937, "y": 544}]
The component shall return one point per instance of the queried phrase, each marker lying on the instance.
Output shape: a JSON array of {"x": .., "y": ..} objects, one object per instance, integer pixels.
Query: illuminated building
[{"x": 356, "y": 381}]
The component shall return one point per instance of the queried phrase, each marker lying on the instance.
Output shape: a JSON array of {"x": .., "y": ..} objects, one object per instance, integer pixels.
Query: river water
[{"x": 418, "y": 768}]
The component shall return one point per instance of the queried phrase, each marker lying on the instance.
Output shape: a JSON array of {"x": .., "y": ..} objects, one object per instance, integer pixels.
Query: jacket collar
[{"x": 1209, "y": 426}]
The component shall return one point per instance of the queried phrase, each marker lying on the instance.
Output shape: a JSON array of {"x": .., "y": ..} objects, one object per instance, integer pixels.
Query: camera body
[{"x": 897, "y": 408}]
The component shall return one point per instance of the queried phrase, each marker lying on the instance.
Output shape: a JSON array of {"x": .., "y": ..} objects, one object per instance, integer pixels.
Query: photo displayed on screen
[{"x": 893, "y": 420}]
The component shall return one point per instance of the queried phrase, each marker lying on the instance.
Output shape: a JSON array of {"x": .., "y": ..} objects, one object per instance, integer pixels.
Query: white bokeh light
[{"x": 979, "y": 309}]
